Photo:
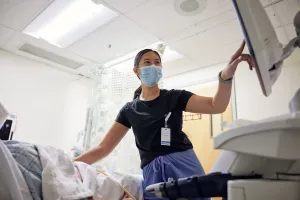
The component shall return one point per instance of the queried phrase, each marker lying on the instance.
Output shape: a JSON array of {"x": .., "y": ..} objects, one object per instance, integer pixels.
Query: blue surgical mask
[{"x": 150, "y": 75}]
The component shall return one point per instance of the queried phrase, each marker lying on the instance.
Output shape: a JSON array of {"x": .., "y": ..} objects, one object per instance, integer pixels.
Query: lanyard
[{"x": 166, "y": 119}]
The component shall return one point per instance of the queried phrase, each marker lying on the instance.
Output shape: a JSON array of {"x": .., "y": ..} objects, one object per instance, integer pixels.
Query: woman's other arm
[{"x": 107, "y": 145}]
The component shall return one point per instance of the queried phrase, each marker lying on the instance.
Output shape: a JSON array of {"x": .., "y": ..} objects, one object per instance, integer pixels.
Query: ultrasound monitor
[
  {"x": 6, "y": 124},
  {"x": 3, "y": 114},
  {"x": 262, "y": 41},
  {"x": 6, "y": 132}
]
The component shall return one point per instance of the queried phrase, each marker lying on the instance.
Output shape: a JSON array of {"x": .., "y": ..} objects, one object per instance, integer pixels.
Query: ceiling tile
[
  {"x": 123, "y": 35},
  {"x": 5, "y": 34},
  {"x": 213, "y": 46},
  {"x": 178, "y": 67},
  {"x": 202, "y": 26},
  {"x": 286, "y": 10},
  {"x": 124, "y": 6},
  {"x": 160, "y": 18},
  {"x": 16, "y": 14}
]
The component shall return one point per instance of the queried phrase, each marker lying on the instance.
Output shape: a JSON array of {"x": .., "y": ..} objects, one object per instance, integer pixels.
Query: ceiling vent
[
  {"x": 49, "y": 56},
  {"x": 190, "y": 7}
]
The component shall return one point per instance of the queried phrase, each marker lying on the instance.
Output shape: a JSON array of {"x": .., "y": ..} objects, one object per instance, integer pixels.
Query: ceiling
[{"x": 204, "y": 40}]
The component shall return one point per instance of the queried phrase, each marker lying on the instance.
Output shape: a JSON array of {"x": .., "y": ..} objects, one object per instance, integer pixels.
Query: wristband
[{"x": 228, "y": 81}]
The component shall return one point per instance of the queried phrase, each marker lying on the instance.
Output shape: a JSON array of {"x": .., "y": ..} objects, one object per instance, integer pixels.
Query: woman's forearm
[
  {"x": 222, "y": 97},
  {"x": 110, "y": 141},
  {"x": 93, "y": 155}
]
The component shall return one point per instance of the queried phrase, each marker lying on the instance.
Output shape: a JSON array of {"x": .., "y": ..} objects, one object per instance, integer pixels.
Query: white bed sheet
[
  {"x": 61, "y": 182},
  {"x": 104, "y": 188},
  {"x": 59, "y": 179}
]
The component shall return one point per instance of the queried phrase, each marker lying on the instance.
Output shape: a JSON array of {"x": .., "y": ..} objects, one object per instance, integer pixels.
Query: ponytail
[{"x": 137, "y": 92}]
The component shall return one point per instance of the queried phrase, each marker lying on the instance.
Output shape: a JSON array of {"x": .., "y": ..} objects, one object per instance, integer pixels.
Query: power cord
[{"x": 124, "y": 189}]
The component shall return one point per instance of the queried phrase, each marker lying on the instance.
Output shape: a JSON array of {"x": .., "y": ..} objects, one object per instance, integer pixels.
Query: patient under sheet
[
  {"x": 51, "y": 174},
  {"x": 106, "y": 185}
]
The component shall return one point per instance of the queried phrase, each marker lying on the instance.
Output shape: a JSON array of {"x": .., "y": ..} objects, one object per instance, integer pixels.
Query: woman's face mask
[{"x": 150, "y": 75}]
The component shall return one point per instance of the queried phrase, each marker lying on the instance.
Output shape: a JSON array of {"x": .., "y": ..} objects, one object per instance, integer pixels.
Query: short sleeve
[
  {"x": 122, "y": 117},
  {"x": 183, "y": 97}
]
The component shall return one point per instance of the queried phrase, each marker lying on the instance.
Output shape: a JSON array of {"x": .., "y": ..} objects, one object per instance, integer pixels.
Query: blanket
[
  {"x": 28, "y": 161},
  {"x": 12, "y": 183},
  {"x": 59, "y": 180},
  {"x": 51, "y": 174}
]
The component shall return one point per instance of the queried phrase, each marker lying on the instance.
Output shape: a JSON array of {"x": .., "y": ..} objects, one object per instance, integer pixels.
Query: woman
[{"x": 155, "y": 116}]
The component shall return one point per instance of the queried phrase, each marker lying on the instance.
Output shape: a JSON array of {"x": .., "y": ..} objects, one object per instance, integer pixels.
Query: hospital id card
[{"x": 165, "y": 137}]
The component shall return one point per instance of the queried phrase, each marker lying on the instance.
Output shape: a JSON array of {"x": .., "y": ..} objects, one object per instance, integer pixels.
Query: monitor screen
[
  {"x": 261, "y": 40},
  {"x": 3, "y": 114},
  {"x": 5, "y": 131}
]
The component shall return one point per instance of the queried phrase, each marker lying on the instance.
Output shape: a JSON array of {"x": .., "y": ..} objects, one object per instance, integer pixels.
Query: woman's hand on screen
[{"x": 235, "y": 60}]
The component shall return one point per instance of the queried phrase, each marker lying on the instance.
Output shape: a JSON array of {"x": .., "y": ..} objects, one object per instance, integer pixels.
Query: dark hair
[{"x": 137, "y": 60}]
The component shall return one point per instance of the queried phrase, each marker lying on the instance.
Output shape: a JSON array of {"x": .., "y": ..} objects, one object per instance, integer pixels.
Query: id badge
[{"x": 165, "y": 137}]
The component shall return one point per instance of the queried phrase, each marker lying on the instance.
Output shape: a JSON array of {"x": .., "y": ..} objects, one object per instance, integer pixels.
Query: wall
[
  {"x": 199, "y": 131},
  {"x": 253, "y": 105},
  {"x": 250, "y": 102},
  {"x": 50, "y": 104}
]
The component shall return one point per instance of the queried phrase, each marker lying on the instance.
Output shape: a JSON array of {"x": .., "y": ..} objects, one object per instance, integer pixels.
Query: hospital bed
[{"x": 31, "y": 172}]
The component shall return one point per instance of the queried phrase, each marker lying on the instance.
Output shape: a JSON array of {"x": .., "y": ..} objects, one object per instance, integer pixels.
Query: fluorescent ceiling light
[
  {"x": 67, "y": 21},
  {"x": 167, "y": 54},
  {"x": 171, "y": 55}
]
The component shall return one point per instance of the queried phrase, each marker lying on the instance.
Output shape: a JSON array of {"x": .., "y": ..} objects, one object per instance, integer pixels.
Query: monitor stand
[
  {"x": 297, "y": 24},
  {"x": 294, "y": 104}
]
